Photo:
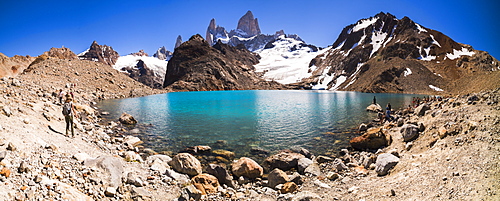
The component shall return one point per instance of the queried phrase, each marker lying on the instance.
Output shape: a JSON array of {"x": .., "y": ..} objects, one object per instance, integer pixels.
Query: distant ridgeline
[{"x": 377, "y": 54}]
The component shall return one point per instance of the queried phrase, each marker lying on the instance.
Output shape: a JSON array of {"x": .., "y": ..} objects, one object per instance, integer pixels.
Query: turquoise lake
[{"x": 320, "y": 121}]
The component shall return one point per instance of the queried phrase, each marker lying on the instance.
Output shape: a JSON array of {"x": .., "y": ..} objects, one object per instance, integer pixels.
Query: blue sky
[{"x": 32, "y": 27}]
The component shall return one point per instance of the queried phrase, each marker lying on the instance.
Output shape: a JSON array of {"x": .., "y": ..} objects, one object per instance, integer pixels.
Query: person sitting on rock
[
  {"x": 388, "y": 114},
  {"x": 68, "y": 112}
]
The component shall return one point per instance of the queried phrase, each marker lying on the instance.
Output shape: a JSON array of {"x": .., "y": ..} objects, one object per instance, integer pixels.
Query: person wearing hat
[{"x": 68, "y": 111}]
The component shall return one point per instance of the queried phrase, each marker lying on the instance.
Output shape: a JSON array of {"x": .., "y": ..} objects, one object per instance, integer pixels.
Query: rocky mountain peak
[
  {"x": 162, "y": 53},
  {"x": 198, "y": 66},
  {"x": 178, "y": 41},
  {"x": 100, "y": 53},
  {"x": 248, "y": 25},
  {"x": 140, "y": 53},
  {"x": 378, "y": 54},
  {"x": 61, "y": 53}
]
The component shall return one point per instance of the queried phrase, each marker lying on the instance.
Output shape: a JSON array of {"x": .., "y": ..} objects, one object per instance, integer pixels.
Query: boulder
[
  {"x": 409, "y": 132},
  {"x": 302, "y": 164},
  {"x": 384, "y": 163},
  {"x": 159, "y": 165},
  {"x": 206, "y": 183},
  {"x": 181, "y": 178},
  {"x": 112, "y": 166},
  {"x": 374, "y": 108},
  {"x": 186, "y": 163},
  {"x": 221, "y": 174},
  {"x": 374, "y": 138},
  {"x": 339, "y": 165},
  {"x": 313, "y": 169},
  {"x": 289, "y": 187},
  {"x": 276, "y": 177},
  {"x": 190, "y": 192},
  {"x": 284, "y": 161},
  {"x": 131, "y": 156},
  {"x": 127, "y": 119},
  {"x": 323, "y": 159},
  {"x": 420, "y": 110},
  {"x": 247, "y": 167},
  {"x": 3, "y": 154},
  {"x": 135, "y": 180},
  {"x": 153, "y": 158}
]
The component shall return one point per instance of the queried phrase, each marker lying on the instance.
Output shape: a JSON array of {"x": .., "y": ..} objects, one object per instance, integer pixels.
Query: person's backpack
[{"x": 67, "y": 108}]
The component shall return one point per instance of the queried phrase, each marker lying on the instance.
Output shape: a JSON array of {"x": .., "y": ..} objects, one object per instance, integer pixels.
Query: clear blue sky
[{"x": 32, "y": 27}]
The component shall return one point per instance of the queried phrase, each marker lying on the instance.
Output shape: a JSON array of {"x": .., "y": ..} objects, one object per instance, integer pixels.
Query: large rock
[
  {"x": 302, "y": 164},
  {"x": 409, "y": 132},
  {"x": 206, "y": 183},
  {"x": 186, "y": 163},
  {"x": 247, "y": 167},
  {"x": 384, "y": 163},
  {"x": 112, "y": 166},
  {"x": 374, "y": 138},
  {"x": 127, "y": 119},
  {"x": 276, "y": 177},
  {"x": 221, "y": 174},
  {"x": 420, "y": 110},
  {"x": 374, "y": 108},
  {"x": 284, "y": 161}
]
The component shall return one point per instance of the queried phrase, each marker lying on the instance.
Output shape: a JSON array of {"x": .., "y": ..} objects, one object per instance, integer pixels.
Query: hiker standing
[
  {"x": 61, "y": 95},
  {"x": 68, "y": 111}
]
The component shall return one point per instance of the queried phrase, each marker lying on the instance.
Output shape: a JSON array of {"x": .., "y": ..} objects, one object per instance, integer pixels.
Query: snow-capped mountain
[
  {"x": 147, "y": 70},
  {"x": 247, "y": 33},
  {"x": 100, "y": 53},
  {"x": 286, "y": 60},
  {"x": 386, "y": 54}
]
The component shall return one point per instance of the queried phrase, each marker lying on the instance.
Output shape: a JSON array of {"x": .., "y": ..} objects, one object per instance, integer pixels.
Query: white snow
[
  {"x": 158, "y": 66},
  {"x": 83, "y": 53},
  {"x": 364, "y": 23},
  {"x": 420, "y": 28},
  {"x": 434, "y": 41},
  {"x": 407, "y": 72},
  {"x": 340, "y": 80},
  {"x": 324, "y": 79},
  {"x": 377, "y": 41},
  {"x": 457, "y": 53},
  {"x": 427, "y": 57},
  {"x": 435, "y": 88},
  {"x": 285, "y": 66}
]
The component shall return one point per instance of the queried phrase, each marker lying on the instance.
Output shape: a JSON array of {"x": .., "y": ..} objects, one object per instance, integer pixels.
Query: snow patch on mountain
[
  {"x": 158, "y": 66},
  {"x": 407, "y": 72},
  {"x": 457, "y": 53},
  {"x": 435, "y": 88},
  {"x": 287, "y": 62},
  {"x": 364, "y": 23}
]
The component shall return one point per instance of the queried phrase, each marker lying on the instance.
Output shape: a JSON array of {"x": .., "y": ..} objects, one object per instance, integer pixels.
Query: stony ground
[{"x": 456, "y": 156}]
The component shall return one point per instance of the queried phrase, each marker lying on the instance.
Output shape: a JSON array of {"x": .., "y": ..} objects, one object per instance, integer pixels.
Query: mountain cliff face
[
  {"x": 386, "y": 54},
  {"x": 100, "y": 53},
  {"x": 197, "y": 66}
]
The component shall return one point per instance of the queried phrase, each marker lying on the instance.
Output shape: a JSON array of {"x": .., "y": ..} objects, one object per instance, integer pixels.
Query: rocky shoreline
[{"x": 452, "y": 153}]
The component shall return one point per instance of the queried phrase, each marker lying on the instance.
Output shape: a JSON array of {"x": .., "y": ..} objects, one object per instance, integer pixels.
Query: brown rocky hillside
[
  {"x": 197, "y": 66},
  {"x": 385, "y": 54}
]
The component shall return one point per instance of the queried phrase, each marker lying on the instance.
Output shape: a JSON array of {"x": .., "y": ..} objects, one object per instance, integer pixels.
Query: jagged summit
[
  {"x": 386, "y": 54},
  {"x": 100, "y": 53},
  {"x": 247, "y": 33},
  {"x": 248, "y": 26}
]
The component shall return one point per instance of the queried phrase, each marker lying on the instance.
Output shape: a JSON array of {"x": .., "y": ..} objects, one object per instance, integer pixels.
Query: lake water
[{"x": 320, "y": 121}]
